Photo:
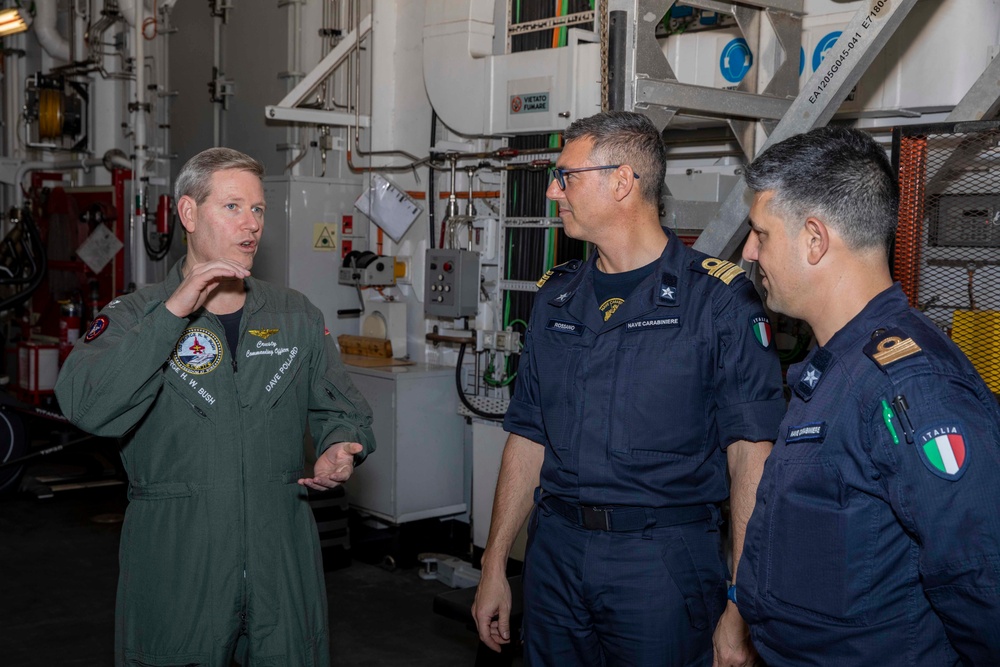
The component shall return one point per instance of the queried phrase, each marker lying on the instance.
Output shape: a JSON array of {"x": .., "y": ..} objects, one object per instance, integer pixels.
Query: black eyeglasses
[{"x": 559, "y": 173}]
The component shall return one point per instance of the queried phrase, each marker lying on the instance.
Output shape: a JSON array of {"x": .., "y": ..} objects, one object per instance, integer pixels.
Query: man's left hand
[
  {"x": 731, "y": 641},
  {"x": 333, "y": 467}
]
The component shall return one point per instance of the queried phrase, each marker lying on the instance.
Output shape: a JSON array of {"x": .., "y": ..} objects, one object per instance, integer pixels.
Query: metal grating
[{"x": 947, "y": 254}]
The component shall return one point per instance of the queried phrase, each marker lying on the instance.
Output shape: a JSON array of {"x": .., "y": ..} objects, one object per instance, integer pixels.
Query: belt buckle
[{"x": 595, "y": 518}]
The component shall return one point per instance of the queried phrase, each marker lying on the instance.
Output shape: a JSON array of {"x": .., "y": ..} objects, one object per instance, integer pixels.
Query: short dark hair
[
  {"x": 838, "y": 174},
  {"x": 626, "y": 137},
  {"x": 195, "y": 177}
]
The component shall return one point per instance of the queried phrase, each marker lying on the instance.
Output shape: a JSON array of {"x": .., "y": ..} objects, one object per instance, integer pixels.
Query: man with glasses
[{"x": 648, "y": 371}]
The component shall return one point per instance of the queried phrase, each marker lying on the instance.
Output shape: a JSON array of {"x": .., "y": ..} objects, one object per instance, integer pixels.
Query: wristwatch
[{"x": 731, "y": 593}]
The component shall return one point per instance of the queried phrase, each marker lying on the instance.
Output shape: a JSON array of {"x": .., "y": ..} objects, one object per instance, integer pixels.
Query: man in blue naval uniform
[
  {"x": 648, "y": 371},
  {"x": 876, "y": 535}
]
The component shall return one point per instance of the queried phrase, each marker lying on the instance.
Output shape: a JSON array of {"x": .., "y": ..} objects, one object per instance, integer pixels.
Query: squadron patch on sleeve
[
  {"x": 944, "y": 452},
  {"x": 718, "y": 268},
  {"x": 198, "y": 351},
  {"x": 99, "y": 326},
  {"x": 761, "y": 327}
]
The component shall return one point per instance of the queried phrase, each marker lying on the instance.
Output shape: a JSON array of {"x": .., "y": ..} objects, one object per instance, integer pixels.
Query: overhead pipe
[{"x": 44, "y": 24}]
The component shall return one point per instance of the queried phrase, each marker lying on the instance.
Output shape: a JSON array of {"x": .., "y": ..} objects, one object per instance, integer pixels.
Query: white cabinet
[{"x": 417, "y": 469}]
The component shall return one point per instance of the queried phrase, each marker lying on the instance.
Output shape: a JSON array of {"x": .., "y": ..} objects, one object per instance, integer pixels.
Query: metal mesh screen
[{"x": 947, "y": 254}]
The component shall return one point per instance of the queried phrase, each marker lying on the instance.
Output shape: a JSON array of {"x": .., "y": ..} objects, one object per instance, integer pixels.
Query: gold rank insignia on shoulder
[
  {"x": 548, "y": 274},
  {"x": 720, "y": 268},
  {"x": 894, "y": 348},
  {"x": 263, "y": 333}
]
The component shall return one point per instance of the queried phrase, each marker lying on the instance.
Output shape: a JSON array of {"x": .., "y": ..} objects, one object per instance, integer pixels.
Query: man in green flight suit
[{"x": 210, "y": 378}]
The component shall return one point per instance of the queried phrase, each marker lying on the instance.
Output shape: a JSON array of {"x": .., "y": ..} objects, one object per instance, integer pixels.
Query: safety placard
[{"x": 325, "y": 237}]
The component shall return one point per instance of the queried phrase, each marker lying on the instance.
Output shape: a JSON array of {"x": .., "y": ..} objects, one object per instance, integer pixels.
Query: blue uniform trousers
[{"x": 643, "y": 597}]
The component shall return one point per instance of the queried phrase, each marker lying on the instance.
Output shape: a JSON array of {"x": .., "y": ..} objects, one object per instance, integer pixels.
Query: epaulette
[
  {"x": 572, "y": 266},
  {"x": 718, "y": 268},
  {"x": 888, "y": 346}
]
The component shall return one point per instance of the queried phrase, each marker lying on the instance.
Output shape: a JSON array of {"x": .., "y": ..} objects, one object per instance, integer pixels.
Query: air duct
[{"x": 54, "y": 44}]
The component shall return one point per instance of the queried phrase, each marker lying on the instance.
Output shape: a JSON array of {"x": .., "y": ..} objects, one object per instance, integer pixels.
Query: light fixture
[{"x": 13, "y": 21}]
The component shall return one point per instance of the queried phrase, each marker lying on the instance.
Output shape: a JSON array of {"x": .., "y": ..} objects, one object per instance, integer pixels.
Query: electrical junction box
[{"x": 451, "y": 288}]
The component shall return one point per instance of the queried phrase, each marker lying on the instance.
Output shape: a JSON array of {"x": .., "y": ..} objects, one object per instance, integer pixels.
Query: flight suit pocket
[
  {"x": 822, "y": 542},
  {"x": 286, "y": 419}
]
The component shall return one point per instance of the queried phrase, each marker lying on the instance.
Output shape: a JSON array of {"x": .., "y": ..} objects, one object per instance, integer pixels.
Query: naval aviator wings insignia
[{"x": 263, "y": 333}]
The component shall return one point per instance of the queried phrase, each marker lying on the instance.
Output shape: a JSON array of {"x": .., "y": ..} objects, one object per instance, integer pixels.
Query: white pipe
[
  {"x": 130, "y": 11},
  {"x": 139, "y": 119},
  {"x": 69, "y": 165},
  {"x": 44, "y": 24}
]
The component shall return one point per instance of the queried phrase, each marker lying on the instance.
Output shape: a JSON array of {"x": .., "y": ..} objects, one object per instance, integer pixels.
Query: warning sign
[
  {"x": 531, "y": 103},
  {"x": 325, "y": 237}
]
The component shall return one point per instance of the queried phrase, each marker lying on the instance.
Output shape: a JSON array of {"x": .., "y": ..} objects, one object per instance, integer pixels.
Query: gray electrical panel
[{"x": 452, "y": 285}]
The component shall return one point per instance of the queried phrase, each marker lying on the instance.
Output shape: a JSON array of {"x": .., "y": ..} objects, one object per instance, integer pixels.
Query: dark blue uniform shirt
[
  {"x": 638, "y": 410},
  {"x": 869, "y": 549}
]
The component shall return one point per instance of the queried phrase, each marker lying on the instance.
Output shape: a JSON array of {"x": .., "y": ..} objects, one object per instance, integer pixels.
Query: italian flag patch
[
  {"x": 944, "y": 452},
  {"x": 761, "y": 328}
]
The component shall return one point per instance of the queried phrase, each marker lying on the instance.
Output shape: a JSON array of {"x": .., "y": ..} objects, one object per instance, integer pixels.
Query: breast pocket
[
  {"x": 561, "y": 388},
  {"x": 663, "y": 388},
  {"x": 822, "y": 542}
]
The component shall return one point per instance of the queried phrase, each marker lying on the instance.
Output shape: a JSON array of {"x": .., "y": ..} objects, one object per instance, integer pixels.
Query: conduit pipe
[{"x": 44, "y": 24}]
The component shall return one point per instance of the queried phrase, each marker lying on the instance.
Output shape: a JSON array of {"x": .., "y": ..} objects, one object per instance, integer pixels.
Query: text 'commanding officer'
[
  {"x": 210, "y": 378},
  {"x": 876, "y": 536},
  {"x": 647, "y": 370}
]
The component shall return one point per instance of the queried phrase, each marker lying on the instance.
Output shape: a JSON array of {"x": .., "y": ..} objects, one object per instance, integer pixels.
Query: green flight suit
[{"x": 218, "y": 539}]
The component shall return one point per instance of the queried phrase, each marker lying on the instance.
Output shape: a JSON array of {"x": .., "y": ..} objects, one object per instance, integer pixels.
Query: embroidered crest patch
[
  {"x": 761, "y": 327},
  {"x": 198, "y": 351},
  {"x": 944, "y": 451},
  {"x": 99, "y": 326}
]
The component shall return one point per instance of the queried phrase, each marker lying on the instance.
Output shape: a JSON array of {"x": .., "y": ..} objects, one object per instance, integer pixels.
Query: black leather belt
[{"x": 623, "y": 519}]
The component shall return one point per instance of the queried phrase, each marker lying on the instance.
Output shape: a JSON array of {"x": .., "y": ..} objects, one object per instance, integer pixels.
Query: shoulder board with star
[
  {"x": 889, "y": 346},
  {"x": 718, "y": 268},
  {"x": 572, "y": 266}
]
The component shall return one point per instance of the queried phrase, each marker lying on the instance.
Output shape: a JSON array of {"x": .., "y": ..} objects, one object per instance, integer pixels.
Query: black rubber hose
[{"x": 461, "y": 390}]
